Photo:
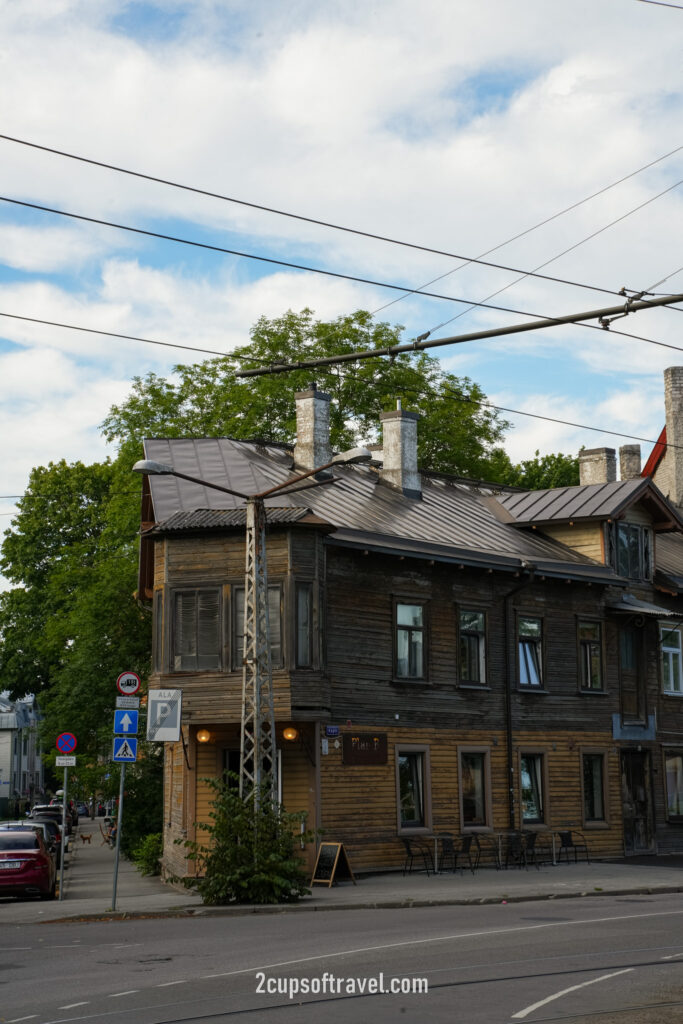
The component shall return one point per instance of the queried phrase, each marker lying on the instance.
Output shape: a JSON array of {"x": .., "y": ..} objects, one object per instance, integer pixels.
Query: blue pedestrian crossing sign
[
  {"x": 126, "y": 722},
  {"x": 125, "y": 749}
]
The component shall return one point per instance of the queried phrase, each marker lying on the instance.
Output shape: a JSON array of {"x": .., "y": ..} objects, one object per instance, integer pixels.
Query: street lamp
[{"x": 258, "y": 754}]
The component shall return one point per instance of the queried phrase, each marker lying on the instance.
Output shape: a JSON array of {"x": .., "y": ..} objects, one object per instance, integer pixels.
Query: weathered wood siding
[{"x": 586, "y": 538}]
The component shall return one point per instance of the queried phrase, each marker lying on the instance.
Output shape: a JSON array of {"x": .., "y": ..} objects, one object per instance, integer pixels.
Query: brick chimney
[
  {"x": 312, "y": 429},
  {"x": 399, "y": 451},
  {"x": 629, "y": 461},
  {"x": 597, "y": 466},
  {"x": 669, "y": 477}
]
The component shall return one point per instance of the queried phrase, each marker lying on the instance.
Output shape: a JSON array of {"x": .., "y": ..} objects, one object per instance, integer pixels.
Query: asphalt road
[{"x": 616, "y": 960}]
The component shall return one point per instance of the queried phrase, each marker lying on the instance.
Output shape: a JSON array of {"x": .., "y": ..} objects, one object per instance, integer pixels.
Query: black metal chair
[
  {"x": 571, "y": 840},
  {"x": 531, "y": 852},
  {"x": 420, "y": 849},
  {"x": 516, "y": 851},
  {"x": 469, "y": 848}
]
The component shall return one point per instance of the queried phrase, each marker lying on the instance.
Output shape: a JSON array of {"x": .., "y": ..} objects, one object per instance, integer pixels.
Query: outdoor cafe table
[{"x": 510, "y": 833}]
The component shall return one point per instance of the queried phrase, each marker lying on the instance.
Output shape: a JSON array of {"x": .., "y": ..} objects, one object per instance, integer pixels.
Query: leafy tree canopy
[
  {"x": 458, "y": 434},
  {"x": 544, "y": 471}
]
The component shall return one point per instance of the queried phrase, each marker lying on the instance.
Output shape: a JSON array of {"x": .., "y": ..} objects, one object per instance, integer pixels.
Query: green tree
[
  {"x": 458, "y": 433},
  {"x": 543, "y": 471}
]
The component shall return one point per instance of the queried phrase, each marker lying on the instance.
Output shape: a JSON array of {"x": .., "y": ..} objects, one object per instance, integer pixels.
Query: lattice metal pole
[{"x": 258, "y": 755}]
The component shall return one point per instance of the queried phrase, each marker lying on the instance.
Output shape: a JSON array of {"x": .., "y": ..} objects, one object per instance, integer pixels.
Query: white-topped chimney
[
  {"x": 399, "y": 451},
  {"x": 312, "y": 446},
  {"x": 597, "y": 466}
]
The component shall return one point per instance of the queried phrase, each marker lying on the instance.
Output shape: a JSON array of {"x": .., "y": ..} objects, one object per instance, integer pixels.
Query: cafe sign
[{"x": 364, "y": 747}]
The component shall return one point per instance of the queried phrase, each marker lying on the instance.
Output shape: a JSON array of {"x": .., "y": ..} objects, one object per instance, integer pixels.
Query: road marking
[
  {"x": 130, "y": 992},
  {"x": 15, "y": 949},
  {"x": 565, "y": 992},
  {"x": 70, "y": 1006},
  {"x": 672, "y": 957},
  {"x": 15, "y": 1020},
  {"x": 443, "y": 938},
  {"x": 165, "y": 984}
]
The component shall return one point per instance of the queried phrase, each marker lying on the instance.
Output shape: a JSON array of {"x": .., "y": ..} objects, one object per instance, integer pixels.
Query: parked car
[
  {"x": 83, "y": 810},
  {"x": 46, "y": 829},
  {"x": 56, "y": 829},
  {"x": 26, "y": 866},
  {"x": 53, "y": 811},
  {"x": 71, "y": 808}
]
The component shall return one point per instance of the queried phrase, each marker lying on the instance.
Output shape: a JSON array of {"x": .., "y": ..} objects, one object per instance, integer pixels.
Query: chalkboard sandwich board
[{"x": 331, "y": 865}]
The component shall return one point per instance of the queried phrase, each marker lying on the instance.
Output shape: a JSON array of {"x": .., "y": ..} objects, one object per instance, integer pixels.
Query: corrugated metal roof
[
  {"x": 453, "y": 519},
  {"x": 207, "y": 519}
]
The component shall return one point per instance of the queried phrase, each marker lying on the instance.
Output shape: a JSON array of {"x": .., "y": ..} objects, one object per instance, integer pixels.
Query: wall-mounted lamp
[
  {"x": 203, "y": 736},
  {"x": 290, "y": 733}
]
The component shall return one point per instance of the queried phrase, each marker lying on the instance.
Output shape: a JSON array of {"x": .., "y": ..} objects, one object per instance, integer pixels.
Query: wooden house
[{"x": 447, "y": 656}]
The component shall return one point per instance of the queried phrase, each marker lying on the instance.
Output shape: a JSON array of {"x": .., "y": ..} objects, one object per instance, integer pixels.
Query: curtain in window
[
  {"x": 531, "y": 767},
  {"x": 530, "y": 664},
  {"x": 410, "y": 774}
]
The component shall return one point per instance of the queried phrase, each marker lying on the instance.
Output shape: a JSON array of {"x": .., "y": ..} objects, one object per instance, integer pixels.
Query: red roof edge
[{"x": 656, "y": 455}]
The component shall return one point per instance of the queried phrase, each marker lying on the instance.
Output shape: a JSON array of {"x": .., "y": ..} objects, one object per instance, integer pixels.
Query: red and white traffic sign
[{"x": 128, "y": 683}]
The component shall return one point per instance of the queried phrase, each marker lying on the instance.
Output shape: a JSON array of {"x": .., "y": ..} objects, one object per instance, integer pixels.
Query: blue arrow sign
[
  {"x": 125, "y": 749},
  {"x": 126, "y": 721}
]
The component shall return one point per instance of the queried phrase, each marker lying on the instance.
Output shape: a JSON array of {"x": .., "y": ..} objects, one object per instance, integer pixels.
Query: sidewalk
[{"x": 90, "y": 872}]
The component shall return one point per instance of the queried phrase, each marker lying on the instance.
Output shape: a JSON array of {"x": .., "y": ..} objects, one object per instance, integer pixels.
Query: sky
[{"x": 452, "y": 125}]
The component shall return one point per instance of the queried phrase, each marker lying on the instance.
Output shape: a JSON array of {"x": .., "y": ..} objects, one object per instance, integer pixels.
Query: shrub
[
  {"x": 147, "y": 854},
  {"x": 251, "y": 855}
]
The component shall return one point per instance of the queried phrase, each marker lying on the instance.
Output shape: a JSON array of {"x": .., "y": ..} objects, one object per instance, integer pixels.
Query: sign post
[
  {"x": 125, "y": 750},
  {"x": 66, "y": 743}
]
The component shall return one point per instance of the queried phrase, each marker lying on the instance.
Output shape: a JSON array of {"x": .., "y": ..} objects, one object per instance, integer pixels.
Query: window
[
  {"x": 631, "y": 673},
  {"x": 590, "y": 656},
  {"x": 274, "y": 623},
  {"x": 672, "y": 668},
  {"x": 532, "y": 788},
  {"x": 674, "y": 784},
  {"x": 196, "y": 630},
  {"x": 630, "y": 546},
  {"x": 304, "y": 625},
  {"x": 530, "y": 639},
  {"x": 410, "y": 647},
  {"x": 412, "y": 790},
  {"x": 474, "y": 788},
  {"x": 594, "y": 777},
  {"x": 472, "y": 646}
]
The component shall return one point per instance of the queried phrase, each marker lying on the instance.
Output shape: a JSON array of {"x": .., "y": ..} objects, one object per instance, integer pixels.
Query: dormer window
[{"x": 631, "y": 550}]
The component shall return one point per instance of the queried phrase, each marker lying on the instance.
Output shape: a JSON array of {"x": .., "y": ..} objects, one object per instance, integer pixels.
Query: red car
[{"x": 26, "y": 865}]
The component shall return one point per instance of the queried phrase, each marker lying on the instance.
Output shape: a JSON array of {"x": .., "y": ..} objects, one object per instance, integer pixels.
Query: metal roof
[
  {"x": 630, "y": 605},
  {"x": 453, "y": 520},
  {"x": 208, "y": 519},
  {"x": 560, "y": 504}
]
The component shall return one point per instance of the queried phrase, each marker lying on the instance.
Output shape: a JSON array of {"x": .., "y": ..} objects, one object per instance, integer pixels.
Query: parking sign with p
[{"x": 163, "y": 715}]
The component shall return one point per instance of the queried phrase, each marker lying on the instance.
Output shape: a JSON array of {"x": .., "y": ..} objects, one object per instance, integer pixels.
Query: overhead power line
[
  {"x": 420, "y": 344},
  {"x": 467, "y": 400},
  {"x": 348, "y": 230},
  {"x": 660, "y": 3},
  {"x": 264, "y": 259}
]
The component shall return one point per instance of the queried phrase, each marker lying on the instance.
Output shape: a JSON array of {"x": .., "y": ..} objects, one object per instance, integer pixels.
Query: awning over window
[{"x": 630, "y": 605}]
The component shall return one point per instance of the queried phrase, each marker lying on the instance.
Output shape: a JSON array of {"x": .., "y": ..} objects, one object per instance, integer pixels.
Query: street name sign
[
  {"x": 163, "y": 715},
  {"x": 65, "y": 762},
  {"x": 128, "y": 702},
  {"x": 126, "y": 722},
  {"x": 125, "y": 749},
  {"x": 128, "y": 683}
]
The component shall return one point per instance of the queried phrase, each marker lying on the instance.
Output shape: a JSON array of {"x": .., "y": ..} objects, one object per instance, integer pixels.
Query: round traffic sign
[
  {"x": 128, "y": 683},
  {"x": 66, "y": 742}
]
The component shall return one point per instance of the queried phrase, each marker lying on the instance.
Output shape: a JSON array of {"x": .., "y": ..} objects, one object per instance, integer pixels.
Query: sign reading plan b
[{"x": 163, "y": 715}]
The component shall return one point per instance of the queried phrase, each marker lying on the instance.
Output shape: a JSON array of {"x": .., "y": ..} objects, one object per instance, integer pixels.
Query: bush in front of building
[
  {"x": 251, "y": 855},
  {"x": 147, "y": 854}
]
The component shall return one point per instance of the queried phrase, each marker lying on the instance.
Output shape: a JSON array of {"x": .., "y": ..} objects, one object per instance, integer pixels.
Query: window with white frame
[
  {"x": 672, "y": 664},
  {"x": 472, "y": 625}
]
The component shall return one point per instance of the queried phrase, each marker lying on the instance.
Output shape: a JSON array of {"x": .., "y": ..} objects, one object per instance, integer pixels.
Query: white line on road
[
  {"x": 672, "y": 957},
  {"x": 165, "y": 984},
  {"x": 565, "y": 992},
  {"x": 130, "y": 992},
  {"x": 443, "y": 938},
  {"x": 70, "y": 1006},
  {"x": 15, "y": 949},
  {"x": 15, "y": 1020}
]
